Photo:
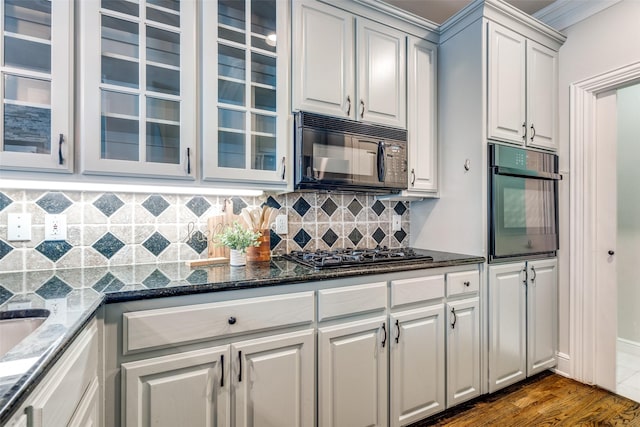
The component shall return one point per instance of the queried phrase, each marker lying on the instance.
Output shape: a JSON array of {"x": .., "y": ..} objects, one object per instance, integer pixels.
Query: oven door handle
[{"x": 501, "y": 170}]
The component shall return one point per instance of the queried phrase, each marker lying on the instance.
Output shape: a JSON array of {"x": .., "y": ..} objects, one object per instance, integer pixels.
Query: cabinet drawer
[
  {"x": 168, "y": 327},
  {"x": 351, "y": 300},
  {"x": 415, "y": 290},
  {"x": 464, "y": 282}
]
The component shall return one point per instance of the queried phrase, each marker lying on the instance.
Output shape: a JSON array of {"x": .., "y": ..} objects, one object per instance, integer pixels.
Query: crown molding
[{"x": 562, "y": 14}]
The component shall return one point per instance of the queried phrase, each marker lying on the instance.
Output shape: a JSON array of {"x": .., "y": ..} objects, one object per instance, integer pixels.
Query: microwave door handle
[
  {"x": 381, "y": 161},
  {"x": 500, "y": 170}
]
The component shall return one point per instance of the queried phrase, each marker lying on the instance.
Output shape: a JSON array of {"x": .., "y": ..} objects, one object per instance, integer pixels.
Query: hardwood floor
[{"x": 544, "y": 400}]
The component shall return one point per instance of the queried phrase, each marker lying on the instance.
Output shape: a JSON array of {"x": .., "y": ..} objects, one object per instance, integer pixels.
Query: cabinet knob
[
  {"x": 611, "y": 253},
  {"x": 467, "y": 284},
  {"x": 232, "y": 320}
]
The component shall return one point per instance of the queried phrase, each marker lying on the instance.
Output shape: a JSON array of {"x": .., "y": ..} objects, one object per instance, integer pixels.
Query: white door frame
[{"x": 584, "y": 307}]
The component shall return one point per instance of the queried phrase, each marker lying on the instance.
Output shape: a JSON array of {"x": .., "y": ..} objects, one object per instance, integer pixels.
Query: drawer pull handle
[
  {"x": 222, "y": 369},
  {"x": 239, "y": 366},
  {"x": 384, "y": 339},
  {"x": 467, "y": 284},
  {"x": 455, "y": 318},
  {"x": 232, "y": 320}
]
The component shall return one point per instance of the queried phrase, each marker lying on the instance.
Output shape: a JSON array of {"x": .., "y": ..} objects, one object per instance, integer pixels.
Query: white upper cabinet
[
  {"x": 138, "y": 88},
  {"x": 245, "y": 111},
  {"x": 523, "y": 90},
  {"x": 36, "y": 71},
  {"x": 324, "y": 62},
  {"x": 422, "y": 116},
  {"x": 346, "y": 69},
  {"x": 381, "y": 74},
  {"x": 507, "y": 85},
  {"x": 542, "y": 96}
]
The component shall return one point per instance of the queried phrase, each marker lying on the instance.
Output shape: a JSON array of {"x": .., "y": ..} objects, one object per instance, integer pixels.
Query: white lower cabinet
[
  {"x": 352, "y": 374},
  {"x": 88, "y": 412},
  {"x": 463, "y": 350},
  {"x": 417, "y": 365},
  {"x": 274, "y": 381},
  {"x": 189, "y": 388},
  {"x": 267, "y": 381},
  {"x": 523, "y": 307}
]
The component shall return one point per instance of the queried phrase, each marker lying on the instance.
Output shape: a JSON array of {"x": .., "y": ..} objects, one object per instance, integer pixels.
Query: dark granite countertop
[{"x": 79, "y": 292}]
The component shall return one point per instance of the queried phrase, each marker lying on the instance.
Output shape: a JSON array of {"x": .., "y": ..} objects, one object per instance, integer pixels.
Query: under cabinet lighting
[{"x": 124, "y": 188}]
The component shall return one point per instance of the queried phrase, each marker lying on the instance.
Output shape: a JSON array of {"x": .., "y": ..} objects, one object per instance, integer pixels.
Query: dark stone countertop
[{"x": 22, "y": 368}]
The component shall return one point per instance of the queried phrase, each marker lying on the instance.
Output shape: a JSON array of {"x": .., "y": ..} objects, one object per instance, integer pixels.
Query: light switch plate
[
  {"x": 282, "y": 226},
  {"x": 18, "y": 227}
]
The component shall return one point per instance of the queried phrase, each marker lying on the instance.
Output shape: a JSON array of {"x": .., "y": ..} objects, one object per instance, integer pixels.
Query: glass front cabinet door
[
  {"x": 35, "y": 85},
  {"x": 244, "y": 90},
  {"x": 138, "y": 87}
]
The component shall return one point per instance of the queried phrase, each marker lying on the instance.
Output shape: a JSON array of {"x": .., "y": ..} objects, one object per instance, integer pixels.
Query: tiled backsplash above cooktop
[{"x": 107, "y": 229}]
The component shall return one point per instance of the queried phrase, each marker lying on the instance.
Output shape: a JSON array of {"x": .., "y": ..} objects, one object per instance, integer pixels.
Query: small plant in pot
[{"x": 237, "y": 239}]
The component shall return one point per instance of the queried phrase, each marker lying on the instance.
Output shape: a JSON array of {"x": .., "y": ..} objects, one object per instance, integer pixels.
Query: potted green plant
[{"x": 237, "y": 239}]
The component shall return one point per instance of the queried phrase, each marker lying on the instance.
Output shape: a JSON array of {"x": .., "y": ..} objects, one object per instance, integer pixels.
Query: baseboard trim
[
  {"x": 628, "y": 346},
  {"x": 564, "y": 365}
]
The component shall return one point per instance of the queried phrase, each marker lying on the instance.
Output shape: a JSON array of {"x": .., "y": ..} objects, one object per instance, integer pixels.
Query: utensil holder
[{"x": 262, "y": 252}]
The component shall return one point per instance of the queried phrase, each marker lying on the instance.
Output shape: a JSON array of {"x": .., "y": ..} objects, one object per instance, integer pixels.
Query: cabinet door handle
[
  {"x": 455, "y": 318},
  {"x": 239, "y": 366},
  {"x": 398, "y": 331},
  {"x": 413, "y": 176},
  {"x": 222, "y": 370},
  {"x": 348, "y": 105},
  {"x": 533, "y": 270},
  {"x": 533, "y": 132},
  {"x": 284, "y": 166},
  {"x": 384, "y": 337},
  {"x": 60, "y": 158},
  {"x": 362, "y": 111},
  {"x": 188, "y": 161},
  {"x": 524, "y": 270},
  {"x": 524, "y": 131}
]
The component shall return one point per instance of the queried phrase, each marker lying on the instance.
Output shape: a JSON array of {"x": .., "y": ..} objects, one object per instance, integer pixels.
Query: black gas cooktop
[{"x": 336, "y": 258}]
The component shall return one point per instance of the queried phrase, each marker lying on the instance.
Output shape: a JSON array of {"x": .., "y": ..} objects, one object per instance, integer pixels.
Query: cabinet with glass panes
[
  {"x": 138, "y": 87},
  {"x": 245, "y": 92},
  {"x": 35, "y": 89}
]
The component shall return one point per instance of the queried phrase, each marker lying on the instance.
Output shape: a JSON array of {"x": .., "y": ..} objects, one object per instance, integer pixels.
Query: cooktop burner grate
[{"x": 354, "y": 257}]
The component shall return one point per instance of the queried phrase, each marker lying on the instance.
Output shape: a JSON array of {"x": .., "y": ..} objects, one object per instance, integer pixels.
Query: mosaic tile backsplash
[{"x": 110, "y": 229}]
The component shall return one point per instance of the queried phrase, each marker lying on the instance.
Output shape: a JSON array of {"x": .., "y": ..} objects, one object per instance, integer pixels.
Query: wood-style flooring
[{"x": 545, "y": 400}]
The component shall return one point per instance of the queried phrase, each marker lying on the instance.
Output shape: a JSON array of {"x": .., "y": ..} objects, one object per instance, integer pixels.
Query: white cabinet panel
[
  {"x": 542, "y": 96},
  {"x": 507, "y": 325},
  {"x": 324, "y": 67},
  {"x": 506, "y": 85},
  {"x": 542, "y": 310},
  {"x": 463, "y": 351},
  {"x": 88, "y": 412},
  {"x": 352, "y": 374},
  {"x": 422, "y": 115},
  {"x": 417, "y": 367},
  {"x": 181, "y": 389},
  {"x": 381, "y": 74},
  {"x": 274, "y": 381}
]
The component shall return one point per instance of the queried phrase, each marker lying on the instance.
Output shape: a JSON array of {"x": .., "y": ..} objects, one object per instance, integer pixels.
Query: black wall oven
[{"x": 523, "y": 203}]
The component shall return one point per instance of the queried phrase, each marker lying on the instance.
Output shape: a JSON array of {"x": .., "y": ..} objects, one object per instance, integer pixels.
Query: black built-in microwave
[{"x": 335, "y": 154}]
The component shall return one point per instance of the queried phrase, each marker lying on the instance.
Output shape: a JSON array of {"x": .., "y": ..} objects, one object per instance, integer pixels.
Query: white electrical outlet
[
  {"x": 396, "y": 223},
  {"x": 55, "y": 227},
  {"x": 282, "y": 226},
  {"x": 18, "y": 227}
]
